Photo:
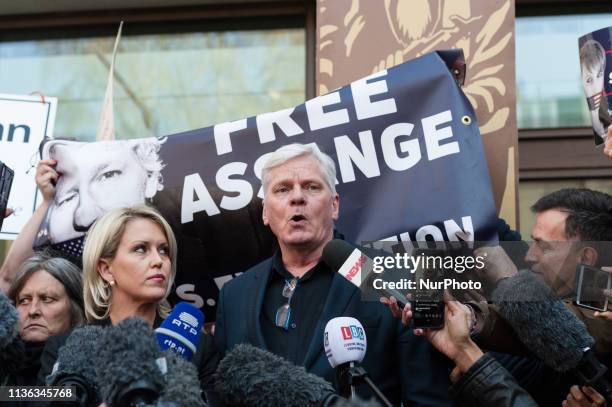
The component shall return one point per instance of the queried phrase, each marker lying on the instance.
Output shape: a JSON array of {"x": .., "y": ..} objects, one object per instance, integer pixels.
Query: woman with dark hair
[{"x": 47, "y": 293}]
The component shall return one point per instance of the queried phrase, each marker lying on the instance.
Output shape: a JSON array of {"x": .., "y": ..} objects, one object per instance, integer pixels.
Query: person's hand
[
  {"x": 608, "y": 143},
  {"x": 46, "y": 178},
  {"x": 585, "y": 397},
  {"x": 8, "y": 212},
  {"x": 454, "y": 339},
  {"x": 607, "y": 315},
  {"x": 497, "y": 263}
]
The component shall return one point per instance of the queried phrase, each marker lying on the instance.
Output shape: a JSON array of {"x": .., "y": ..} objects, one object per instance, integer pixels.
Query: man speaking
[{"x": 283, "y": 303}]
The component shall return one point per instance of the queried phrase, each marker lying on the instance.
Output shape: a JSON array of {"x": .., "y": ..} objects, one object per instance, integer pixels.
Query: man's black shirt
[{"x": 307, "y": 304}]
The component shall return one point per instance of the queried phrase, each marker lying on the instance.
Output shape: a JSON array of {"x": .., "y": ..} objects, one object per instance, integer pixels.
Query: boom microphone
[
  {"x": 549, "y": 329},
  {"x": 12, "y": 348},
  {"x": 355, "y": 266},
  {"x": 182, "y": 384},
  {"x": 74, "y": 366},
  {"x": 126, "y": 364},
  {"x": 249, "y": 376},
  {"x": 181, "y": 330}
]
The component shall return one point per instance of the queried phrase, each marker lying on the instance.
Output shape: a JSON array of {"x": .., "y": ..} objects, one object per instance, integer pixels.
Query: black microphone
[
  {"x": 12, "y": 349},
  {"x": 549, "y": 329},
  {"x": 249, "y": 376},
  {"x": 182, "y": 383},
  {"x": 127, "y": 371},
  {"x": 74, "y": 365},
  {"x": 355, "y": 266}
]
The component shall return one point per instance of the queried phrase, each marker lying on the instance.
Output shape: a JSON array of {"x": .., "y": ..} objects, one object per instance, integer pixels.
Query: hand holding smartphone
[{"x": 6, "y": 181}]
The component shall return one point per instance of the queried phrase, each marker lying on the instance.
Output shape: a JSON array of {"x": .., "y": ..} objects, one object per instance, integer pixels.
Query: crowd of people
[{"x": 488, "y": 353}]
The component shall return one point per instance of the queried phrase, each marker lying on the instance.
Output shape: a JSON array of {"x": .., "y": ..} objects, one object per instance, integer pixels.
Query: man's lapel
[
  {"x": 340, "y": 294},
  {"x": 256, "y": 298}
]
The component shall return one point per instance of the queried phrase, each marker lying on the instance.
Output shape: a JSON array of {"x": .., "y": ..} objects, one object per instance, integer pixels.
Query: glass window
[
  {"x": 164, "y": 83},
  {"x": 549, "y": 90}
]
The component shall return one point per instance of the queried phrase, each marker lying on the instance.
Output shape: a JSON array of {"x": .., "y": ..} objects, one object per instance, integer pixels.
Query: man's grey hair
[
  {"x": 63, "y": 271},
  {"x": 291, "y": 151}
]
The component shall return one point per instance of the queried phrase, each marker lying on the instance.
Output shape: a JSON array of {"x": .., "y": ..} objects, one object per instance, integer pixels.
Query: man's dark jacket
[{"x": 403, "y": 366}]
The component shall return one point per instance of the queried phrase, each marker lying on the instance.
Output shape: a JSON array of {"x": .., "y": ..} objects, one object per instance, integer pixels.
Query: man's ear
[
  {"x": 589, "y": 256},
  {"x": 264, "y": 214},
  {"x": 336, "y": 207},
  {"x": 104, "y": 269}
]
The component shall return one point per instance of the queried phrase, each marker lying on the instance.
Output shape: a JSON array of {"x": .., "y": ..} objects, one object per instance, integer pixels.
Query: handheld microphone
[
  {"x": 74, "y": 367},
  {"x": 355, "y": 266},
  {"x": 126, "y": 364},
  {"x": 345, "y": 345},
  {"x": 181, "y": 330},
  {"x": 549, "y": 329},
  {"x": 249, "y": 376}
]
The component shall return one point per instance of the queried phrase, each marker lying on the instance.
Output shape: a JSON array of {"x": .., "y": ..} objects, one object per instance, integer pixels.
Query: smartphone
[
  {"x": 590, "y": 285},
  {"x": 6, "y": 181},
  {"x": 428, "y": 297}
]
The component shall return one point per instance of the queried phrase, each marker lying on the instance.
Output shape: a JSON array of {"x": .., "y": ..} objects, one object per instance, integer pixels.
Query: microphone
[
  {"x": 126, "y": 364},
  {"x": 181, "y": 330},
  {"x": 74, "y": 365},
  {"x": 345, "y": 345},
  {"x": 182, "y": 384},
  {"x": 549, "y": 329},
  {"x": 355, "y": 266},
  {"x": 249, "y": 376},
  {"x": 12, "y": 349},
  {"x": 9, "y": 321}
]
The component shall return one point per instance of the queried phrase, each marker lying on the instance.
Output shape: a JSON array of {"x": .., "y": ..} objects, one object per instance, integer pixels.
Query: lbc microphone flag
[{"x": 409, "y": 159}]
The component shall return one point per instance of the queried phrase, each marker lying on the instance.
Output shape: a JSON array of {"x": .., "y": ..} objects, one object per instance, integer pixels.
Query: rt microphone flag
[{"x": 181, "y": 330}]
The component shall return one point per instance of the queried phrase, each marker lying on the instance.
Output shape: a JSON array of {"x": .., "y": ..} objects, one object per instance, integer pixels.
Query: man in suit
[{"x": 283, "y": 304}]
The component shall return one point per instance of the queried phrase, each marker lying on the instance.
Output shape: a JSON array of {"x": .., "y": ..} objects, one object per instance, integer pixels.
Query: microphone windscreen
[
  {"x": 180, "y": 332},
  {"x": 542, "y": 321},
  {"x": 249, "y": 376},
  {"x": 344, "y": 341},
  {"x": 9, "y": 321},
  {"x": 182, "y": 383},
  {"x": 75, "y": 356},
  {"x": 127, "y": 354}
]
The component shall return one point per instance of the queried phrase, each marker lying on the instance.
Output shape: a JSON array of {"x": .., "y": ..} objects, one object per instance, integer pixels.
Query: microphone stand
[{"x": 356, "y": 375}]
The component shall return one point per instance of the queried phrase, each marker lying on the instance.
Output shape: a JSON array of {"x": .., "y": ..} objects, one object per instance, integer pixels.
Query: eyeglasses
[{"x": 283, "y": 313}]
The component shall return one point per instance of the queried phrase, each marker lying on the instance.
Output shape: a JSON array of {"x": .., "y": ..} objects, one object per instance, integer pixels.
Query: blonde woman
[{"x": 129, "y": 264}]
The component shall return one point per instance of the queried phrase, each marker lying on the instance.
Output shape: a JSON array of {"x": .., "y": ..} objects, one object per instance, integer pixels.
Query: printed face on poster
[
  {"x": 24, "y": 122},
  {"x": 596, "y": 74}
]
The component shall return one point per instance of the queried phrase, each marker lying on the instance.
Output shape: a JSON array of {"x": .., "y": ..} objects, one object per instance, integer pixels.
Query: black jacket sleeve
[{"x": 486, "y": 384}]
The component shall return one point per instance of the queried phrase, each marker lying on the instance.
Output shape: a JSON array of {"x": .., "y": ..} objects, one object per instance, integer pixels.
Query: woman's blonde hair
[{"x": 102, "y": 242}]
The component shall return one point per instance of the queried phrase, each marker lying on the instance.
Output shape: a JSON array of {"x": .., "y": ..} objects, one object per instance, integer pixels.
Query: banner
[
  {"x": 596, "y": 73},
  {"x": 24, "y": 122},
  {"x": 356, "y": 38},
  {"x": 407, "y": 147}
]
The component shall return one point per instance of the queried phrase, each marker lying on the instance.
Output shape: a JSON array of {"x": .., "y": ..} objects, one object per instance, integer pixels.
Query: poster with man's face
[
  {"x": 96, "y": 178},
  {"x": 596, "y": 75}
]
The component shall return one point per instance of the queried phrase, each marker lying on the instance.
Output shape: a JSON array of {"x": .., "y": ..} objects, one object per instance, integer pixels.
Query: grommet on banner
[
  {"x": 42, "y": 97},
  {"x": 467, "y": 120}
]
